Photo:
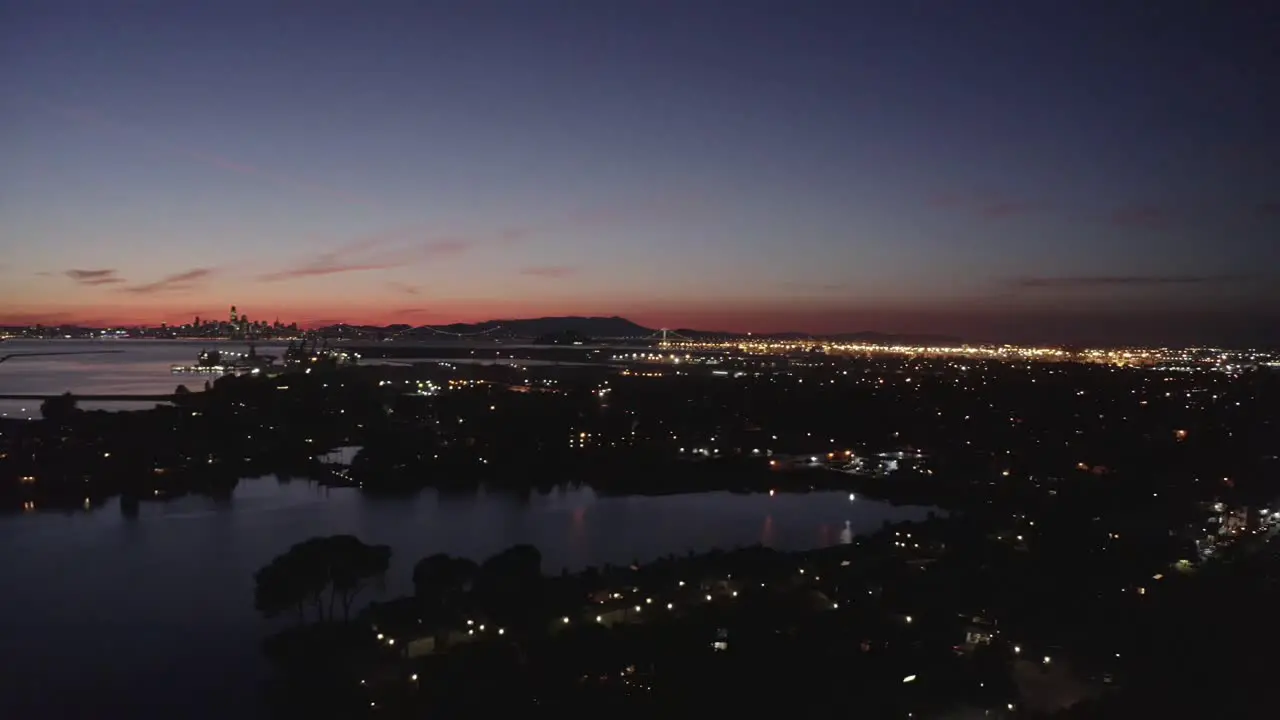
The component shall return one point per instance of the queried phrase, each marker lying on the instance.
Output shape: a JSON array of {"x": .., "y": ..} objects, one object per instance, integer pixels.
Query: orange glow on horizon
[
  {"x": 108, "y": 317},
  {"x": 728, "y": 317}
]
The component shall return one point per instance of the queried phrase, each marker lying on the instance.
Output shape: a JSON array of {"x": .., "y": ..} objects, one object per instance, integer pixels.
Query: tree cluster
[{"x": 318, "y": 577}]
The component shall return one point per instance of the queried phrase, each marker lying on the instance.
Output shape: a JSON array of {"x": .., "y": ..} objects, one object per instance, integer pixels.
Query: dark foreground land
[
  {"x": 1105, "y": 532},
  {"x": 965, "y": 434},
  {"x": 902, "y": 624}
]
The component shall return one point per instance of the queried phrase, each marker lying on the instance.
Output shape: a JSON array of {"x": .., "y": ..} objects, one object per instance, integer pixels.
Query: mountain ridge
[{"x": 619, "y": 327}]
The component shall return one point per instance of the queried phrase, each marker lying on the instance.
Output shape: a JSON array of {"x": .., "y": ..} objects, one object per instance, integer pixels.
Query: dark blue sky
[{"x": 1049, "y": 170}]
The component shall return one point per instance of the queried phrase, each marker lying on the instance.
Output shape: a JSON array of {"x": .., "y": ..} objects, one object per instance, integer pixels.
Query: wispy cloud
[
  {"x": 660, "y": 207},
  {"x": 816, "y": 286},
  {"x": 105, "y": 276},
  {"x": 1005, "y": 208},
  {"x": 403, "y": 288},
  {"x": 416, "y": 245},
  {"x": 172, "y": 283},
  {"x": 223, "y": 163},
  {"x": 1141, "y": 216},
  {"x": 220, "y": 162},
  {"x": 550, "y": 271},
  {"x": 1095, "y": 281},
  {"x": 949, "y": 199},
  {"x": 321, "y": 267},
  {"x": 988, "y": 207},
  {"x": 374, "y": 252},
  {"x": 438, "y": 248},
  {"x": 515, "y": 234}
]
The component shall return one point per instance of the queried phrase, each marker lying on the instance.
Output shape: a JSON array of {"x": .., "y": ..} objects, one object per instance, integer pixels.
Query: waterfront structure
[
  {"x": 317, "y": 355},
  {"x": 224, "y": 362}
]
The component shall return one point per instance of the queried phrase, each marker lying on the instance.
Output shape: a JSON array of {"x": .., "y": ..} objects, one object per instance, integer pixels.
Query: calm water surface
[
  {"x": 134, "y": 367},
  {"x": 155, "y": 614}
]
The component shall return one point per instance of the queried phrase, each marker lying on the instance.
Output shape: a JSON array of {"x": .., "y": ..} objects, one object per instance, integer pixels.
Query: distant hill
[
  {"x": 610, "y": 327},
  {"x": 590, "y": 327}
]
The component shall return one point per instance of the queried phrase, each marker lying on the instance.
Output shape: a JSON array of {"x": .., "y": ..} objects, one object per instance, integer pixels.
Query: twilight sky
[{"x": 1061, "y": 170}]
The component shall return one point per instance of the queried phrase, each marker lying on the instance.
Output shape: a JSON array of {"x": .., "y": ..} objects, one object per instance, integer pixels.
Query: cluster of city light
[
  {"x": 631, "y": 604},
  {"x": 770, "y": 347},
  {"x": 992, "y": 352},
  {"x": 1191, "y": 359},
  {"x": 673, "y": 358},
  {"x": 213, "y": 370}
]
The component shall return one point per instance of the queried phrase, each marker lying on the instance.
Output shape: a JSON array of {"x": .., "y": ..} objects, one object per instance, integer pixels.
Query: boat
[{"x": 222, "y": 362}]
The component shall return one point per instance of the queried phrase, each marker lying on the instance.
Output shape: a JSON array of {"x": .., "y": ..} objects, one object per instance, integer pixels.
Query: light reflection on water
[
  {"x": 134, "y": 367},
  {"x": 123, "y": 605}
]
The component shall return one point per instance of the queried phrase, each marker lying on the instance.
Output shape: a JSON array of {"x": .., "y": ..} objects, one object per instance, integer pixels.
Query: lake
[{"x": 105, "y": 616}]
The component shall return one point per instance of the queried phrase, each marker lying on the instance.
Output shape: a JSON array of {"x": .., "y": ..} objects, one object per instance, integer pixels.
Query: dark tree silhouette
[
  {"x": 440, "y": 578},
  {"x": 509, "y": 583},
  {"x": 60, "y": 409},
  {"x": 353, "y": 566},
  {"x": 512, "y": 568},
  {"x": 280, "y": 588},
  {"x": 319, "y": 573}
]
